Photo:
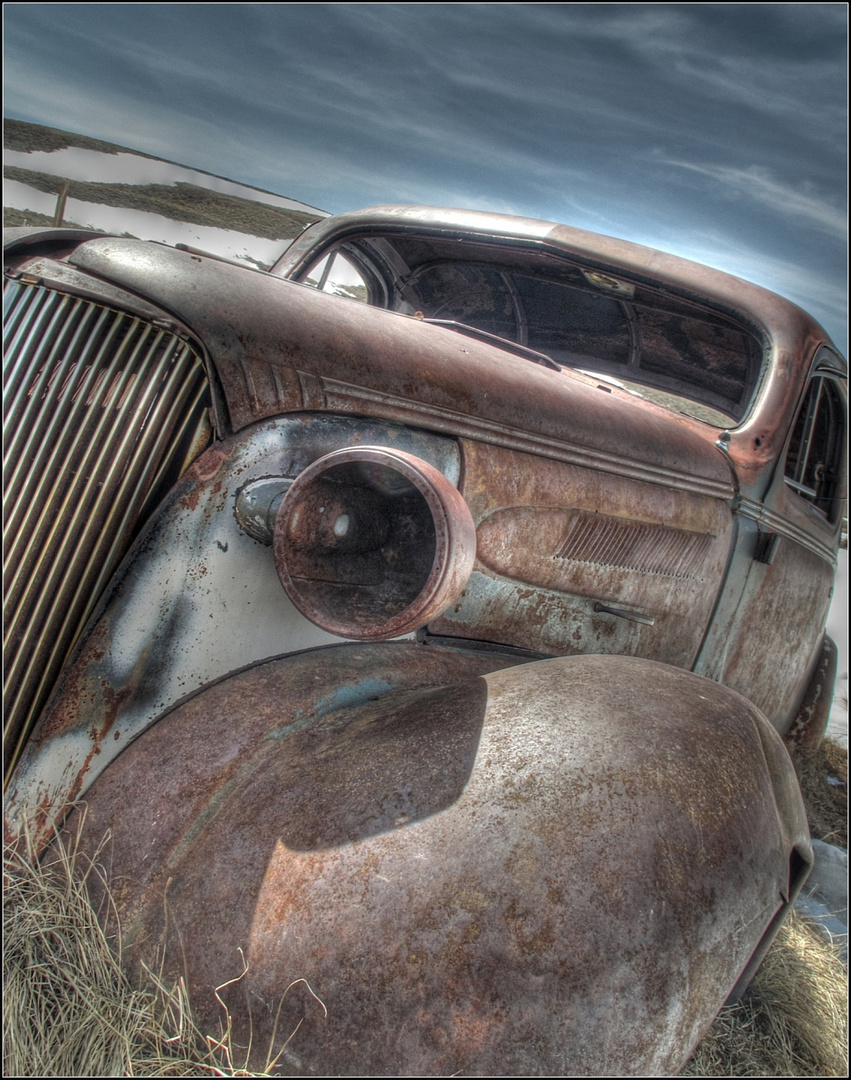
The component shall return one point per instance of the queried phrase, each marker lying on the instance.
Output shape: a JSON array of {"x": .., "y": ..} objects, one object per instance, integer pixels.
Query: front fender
[
  {"x": 195, "y": 599},
  {"x": 559, "y": 867}
]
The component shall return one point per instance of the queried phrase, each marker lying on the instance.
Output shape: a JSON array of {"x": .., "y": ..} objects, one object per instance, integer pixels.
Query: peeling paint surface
[{"x": 195, "y": 599}]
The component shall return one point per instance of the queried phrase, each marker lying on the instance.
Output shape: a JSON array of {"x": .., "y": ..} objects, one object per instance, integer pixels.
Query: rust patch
[
  {"x": 208, "y": 465},
  {"x": 75, "y": 694},
  {"x": 454, "y": 864},
  {"x": 811, "y": 719}
]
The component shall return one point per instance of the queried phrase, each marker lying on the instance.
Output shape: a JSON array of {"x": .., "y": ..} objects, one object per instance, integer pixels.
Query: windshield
[{"x": 676, "y": 353}]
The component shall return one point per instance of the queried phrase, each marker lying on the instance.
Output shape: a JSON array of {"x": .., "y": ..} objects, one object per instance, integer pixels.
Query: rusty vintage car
[{"x": 428, "y": 621}]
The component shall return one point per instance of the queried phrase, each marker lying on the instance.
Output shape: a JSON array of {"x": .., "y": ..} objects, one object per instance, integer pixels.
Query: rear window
[
  {"x": 714, "y": 361},
  {"x": 814, "y": 462},
  {"x": 573, "y": 326}
]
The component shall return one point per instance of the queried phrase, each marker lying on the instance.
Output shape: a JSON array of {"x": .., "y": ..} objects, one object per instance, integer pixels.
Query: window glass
[
  {"x": 469, "y": 293},
  {"x": 814, "y": 461},
  {"x": 573, "y": 325},
  {"x": 701, "y": 364},
  {"x": 314, "y": 274},
  {"x": 339, "y": 276},
  {"x": 709, "y": 357}
]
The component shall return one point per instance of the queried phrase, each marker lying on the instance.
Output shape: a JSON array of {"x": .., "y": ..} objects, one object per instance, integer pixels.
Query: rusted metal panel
[
  {"x": 560, "y": 547},
  {"x": 781, "y": 615},
  {"x": 557, "y": 868},
  {"x": 776, "y": 595}
]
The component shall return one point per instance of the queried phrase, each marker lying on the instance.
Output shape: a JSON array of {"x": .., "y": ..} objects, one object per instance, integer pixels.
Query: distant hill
[
  {"x": 115, "y": 189},
  {"x": 19, "y": 135}
]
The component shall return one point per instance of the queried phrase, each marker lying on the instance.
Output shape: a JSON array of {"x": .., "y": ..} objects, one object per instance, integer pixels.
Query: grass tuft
[
  {"x": 69, "y": 1007},
  {"x": 823, "y": 775},
  {"x": 793, "y": 1020}
]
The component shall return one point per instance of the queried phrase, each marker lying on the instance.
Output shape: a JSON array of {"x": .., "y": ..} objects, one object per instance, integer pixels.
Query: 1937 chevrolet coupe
[{"x": 429, "y": 618}]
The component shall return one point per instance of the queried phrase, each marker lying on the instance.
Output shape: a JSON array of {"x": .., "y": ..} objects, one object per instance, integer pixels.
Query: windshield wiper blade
[{"x": 501, "y": 342}]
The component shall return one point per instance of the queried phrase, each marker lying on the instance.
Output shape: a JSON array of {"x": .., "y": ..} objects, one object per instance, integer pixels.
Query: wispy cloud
[
  {"x": 766, "y": 88},
  {"x": 756, "y": 183}
]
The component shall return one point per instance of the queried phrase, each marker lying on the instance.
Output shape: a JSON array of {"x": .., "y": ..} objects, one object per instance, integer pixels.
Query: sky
[{"x": 715, "y": 131}]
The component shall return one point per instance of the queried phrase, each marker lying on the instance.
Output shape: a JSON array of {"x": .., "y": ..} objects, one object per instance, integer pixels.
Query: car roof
[{"x": 779, "y": 322}]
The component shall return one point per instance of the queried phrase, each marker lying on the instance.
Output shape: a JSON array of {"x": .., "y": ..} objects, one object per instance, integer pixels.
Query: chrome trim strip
[
  {"x": 773, "y": 522},
  {"x": 345, "y": 398}
]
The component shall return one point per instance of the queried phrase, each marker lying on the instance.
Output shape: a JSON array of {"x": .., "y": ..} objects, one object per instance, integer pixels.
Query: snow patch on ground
[
  {"x": 825, "y": 895},
  {"x": 96, "y": 166},
  {"x": 837, "y": 726},
  {"x": 119, "y": 220},
  {"x": 837, "y": 627}
]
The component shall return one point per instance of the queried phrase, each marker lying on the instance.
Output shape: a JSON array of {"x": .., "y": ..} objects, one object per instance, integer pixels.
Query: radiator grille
[{"x": 102, "y": 411}]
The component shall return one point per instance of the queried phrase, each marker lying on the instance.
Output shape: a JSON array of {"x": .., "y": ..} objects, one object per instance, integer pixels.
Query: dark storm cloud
[{"x": 716, "y": 130}]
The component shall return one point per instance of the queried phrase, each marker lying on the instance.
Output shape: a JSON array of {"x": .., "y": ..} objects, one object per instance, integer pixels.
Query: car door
[{"x": 790, "y": 543}]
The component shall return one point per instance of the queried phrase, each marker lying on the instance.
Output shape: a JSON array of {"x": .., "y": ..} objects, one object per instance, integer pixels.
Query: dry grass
[
  {"x": 823, "y": 774},
  {"x": 70, "y": 1009},
  {"x": 793, "y": 1021},
  {"x": 19, "y": 135}
]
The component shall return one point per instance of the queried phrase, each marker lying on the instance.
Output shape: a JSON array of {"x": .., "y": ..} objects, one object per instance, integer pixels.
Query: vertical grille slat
[
  {"x": 136, "y": 486},
  {"x": 32, "y": 473},
  {"x": 31, "y": 340},
  {"x": 101, "y": 409},
  {"x": 84, "y": 426},
  {"x": 59, "y": 553},
  {"x": 184, "y": 412}
]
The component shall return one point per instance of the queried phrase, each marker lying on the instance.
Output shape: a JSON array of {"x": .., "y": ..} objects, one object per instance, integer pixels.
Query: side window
[
  {"x": 339, "y": 276},
  {"x": 814, "y": 464}
]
